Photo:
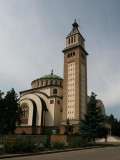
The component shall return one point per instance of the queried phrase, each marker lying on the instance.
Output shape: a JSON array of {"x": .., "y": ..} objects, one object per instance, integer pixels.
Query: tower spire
[{"x": 75, "y": 25}]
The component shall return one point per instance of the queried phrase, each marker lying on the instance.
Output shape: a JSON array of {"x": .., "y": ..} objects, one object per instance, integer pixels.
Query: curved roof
[{"x": 51, "y": 76}]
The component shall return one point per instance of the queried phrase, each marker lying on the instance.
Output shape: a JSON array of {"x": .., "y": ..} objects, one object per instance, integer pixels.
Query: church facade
[{"x": 52, "y": 101}]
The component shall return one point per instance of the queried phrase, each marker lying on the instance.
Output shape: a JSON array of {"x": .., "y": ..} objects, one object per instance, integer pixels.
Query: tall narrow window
[
  {"x": 60, "y": 83},
  {"x": 42, "y": 83},
  {"x": 38, "y": 83},
  {"x": 73, "y": 53},
  {"x": 23, "y": 114},
  {"x": 55, "y": 91},
  {"x": 51, "y": 82},
  {"x": 27, "y": 113},
  {"x": 55, "y": 82},
  {"x": 71, "y": 39},
  {"x": 46, "y": 82},
  {"x": 74, "y": 38}
]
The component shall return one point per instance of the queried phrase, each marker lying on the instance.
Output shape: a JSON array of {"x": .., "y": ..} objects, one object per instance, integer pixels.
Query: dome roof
[{"x": 51, "y": 76}]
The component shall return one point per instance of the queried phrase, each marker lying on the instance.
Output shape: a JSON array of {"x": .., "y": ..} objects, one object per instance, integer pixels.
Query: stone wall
[
  {"x": 58, "y": 138},
  {"x": 34, "y": 138},
  {"x": 64, "y": 138}
]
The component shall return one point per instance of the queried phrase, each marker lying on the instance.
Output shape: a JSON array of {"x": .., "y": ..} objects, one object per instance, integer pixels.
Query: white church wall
[
  {"x": 30, "y": 106},
  {"x": 46, "y": 90},
  {"x": 50, "y": 113},
  {"x": 59, "y": 91},
  {"x": 38, "y": 105}
]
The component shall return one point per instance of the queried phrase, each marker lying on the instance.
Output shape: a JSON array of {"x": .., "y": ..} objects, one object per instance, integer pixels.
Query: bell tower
[{"x": 75, "y": 78}]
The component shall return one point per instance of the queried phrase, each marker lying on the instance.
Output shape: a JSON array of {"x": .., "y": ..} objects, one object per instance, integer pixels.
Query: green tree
[
  {"x": 91, "y": 126},
  {"x": 2, "y": 112},
  {"x": 115, "y": 125},
  {"x": 11, "y": 112}
]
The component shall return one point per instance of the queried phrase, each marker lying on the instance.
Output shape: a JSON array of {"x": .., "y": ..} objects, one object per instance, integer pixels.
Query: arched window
[
  {"x": 55, "y": 91},
  {"x": 56, "y": 82},
  {"x": 51, "y": 82},
  {"x": 23, "y": 114},
  {"x": 46, "y": 82},
  {"x": 38, "y": 83},
  {"x": 42, "y": 83},
  {"x": 73, "y": 53},
  {"x": 60, "y": 83},
  {"x": 27, "y": 113}
]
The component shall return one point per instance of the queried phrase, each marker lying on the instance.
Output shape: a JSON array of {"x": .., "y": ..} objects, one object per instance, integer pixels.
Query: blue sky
[{"x": 32, "y": 37}]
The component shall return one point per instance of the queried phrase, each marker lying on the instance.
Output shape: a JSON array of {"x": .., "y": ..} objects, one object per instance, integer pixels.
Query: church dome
[
  {"x": 50, "y": 76},
  {"x": 47, "y": 80}
]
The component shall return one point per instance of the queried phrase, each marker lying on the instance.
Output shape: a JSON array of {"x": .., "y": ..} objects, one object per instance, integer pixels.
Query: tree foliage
[
  {"x": 10, "y": 112},
  {"x": 115, "y": 125},
  {"x": 91, "y": 126}
]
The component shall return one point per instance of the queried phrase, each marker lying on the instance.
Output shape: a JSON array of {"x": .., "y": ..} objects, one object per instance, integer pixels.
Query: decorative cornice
[{"x": 74, "y": 46}]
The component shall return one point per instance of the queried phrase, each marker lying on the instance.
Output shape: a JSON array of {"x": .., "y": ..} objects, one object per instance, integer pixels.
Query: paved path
[
  {"x": 107, "y": 153},
  {"x": 110, "y": 139}
]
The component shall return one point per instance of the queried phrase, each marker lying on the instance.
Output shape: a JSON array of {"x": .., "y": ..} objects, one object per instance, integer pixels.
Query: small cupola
[
  {"x": 75, "y": 25},
  {"x": 74, "y": 37}
]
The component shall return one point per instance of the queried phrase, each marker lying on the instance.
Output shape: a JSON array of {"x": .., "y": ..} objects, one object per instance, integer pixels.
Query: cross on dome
[{"x": 52, "y": 72}]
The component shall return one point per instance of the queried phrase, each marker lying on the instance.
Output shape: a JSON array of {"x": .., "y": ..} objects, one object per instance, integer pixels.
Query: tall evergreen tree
[
  {"x": 115, "y": 125},
  {"x": 91, "y": 126},
  {"x": 13, "y": 111},
  {"x": 2, "y": 112},
  {"x": 10, "y": 112}
]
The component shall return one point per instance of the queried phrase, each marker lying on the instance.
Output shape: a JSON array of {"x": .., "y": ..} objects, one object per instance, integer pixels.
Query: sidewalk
[{"x": 45, "y": 152}]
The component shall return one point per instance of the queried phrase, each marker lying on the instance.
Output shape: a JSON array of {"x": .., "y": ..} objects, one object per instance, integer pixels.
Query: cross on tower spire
[{"x": 75, "y": 25}]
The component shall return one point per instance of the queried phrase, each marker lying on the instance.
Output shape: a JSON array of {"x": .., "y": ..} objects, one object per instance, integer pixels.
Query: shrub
[
  {"x": 23, "y": 133},
  {"x": 19, "y": 146},
  {"x": 1, "y": 149},
  {"x": 76, "y": 134},
  {"x": 80, "y": 143},
  {"x": 58, "y": 145},
  {"x": 66, "y": 133},
  {"x": 47, "y": 144}
]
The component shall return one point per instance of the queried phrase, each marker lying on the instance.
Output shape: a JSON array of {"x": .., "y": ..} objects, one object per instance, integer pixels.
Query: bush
[
  {"x": 23, "y": 133},
  {"x": 19, "y": 146},
  {"x": 47, "y": 144},
  {"x": 58, "y": 145},
  {"x": 76, "y": 134},
  {"x": 1, "y": 149},
  {"x": 81, "y": 143},
  {"x": 41, "y": 147},
  {"x": 66, "y": 133}
]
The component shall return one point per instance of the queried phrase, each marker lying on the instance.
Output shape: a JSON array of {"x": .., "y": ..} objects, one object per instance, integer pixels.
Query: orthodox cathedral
[{"x": 53, "y": 103}]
